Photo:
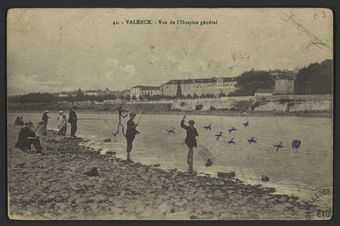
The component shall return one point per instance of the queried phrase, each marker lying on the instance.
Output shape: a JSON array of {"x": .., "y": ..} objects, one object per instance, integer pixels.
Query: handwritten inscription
[
  {"x": 278, "y": 146},
  {"x": 296, "y": 144},
  {"x": 121, "y": 115},
  {"x": 218, "y": 136},
  {"x": 252, "y": 140},
  {"x": 208, "y": 127},
  {"x": 231, "y": 141},
  {"x": 171, "y": 131},
  {"x": 232, "y": 129}
]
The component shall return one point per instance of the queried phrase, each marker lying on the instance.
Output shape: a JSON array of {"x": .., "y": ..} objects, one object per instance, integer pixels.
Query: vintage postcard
[{"x": 170, "y": 114}]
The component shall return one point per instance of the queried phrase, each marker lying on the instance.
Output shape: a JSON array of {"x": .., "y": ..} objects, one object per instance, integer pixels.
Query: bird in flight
[
  {"x": 246, "y": 124},
  {"x": 171, "y": 131},
  {"x": 252, "y": 140},
  {"x": 231, "y": 141},
  {"x": 208, "y": 127},
  {"x": 232, "y": 129},
  {"x": 218, "y": 136},
  {"x": 278, "y": 146}
]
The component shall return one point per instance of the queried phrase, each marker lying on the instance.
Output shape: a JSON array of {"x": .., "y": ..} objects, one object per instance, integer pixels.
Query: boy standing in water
[
  {"x": 131, "y": 132},
  {"x": 190, "y": 141}
]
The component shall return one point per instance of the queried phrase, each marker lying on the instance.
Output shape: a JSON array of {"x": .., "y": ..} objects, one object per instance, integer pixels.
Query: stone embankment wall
[{"x": 279, "y": 103}]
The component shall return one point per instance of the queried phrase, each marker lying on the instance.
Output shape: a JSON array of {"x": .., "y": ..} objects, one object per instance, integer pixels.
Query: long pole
[
  {"x": 141, "y": 116},
  {"x": 92, "y": 119}
]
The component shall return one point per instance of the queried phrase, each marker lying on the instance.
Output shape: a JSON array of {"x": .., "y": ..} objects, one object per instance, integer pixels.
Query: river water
[{"x": 290, "y": 170}]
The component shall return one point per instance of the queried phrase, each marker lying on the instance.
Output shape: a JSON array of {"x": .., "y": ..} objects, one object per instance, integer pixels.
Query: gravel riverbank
[{"x": 54, "y": 186}]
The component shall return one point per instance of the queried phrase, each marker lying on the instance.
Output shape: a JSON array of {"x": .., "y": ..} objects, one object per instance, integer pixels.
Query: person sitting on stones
[{"x": 27, "y": 138}]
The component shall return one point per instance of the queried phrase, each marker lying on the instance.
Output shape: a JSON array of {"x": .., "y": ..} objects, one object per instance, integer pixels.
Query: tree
[
  {"x": 315, "y": 79},
  {"x": 221, "y": 94},
  {"x": 250, "y": 81},
  {"x": 33, "y": 98},
  {"x": 195, "y": 96},
  {"x": 210, "y": 95},
  {"x": 203, "y": 95},
  {"x": 80, "y": 93},
  {"x": 134, "y": 97},
  {"x": 199, "y": 107}
]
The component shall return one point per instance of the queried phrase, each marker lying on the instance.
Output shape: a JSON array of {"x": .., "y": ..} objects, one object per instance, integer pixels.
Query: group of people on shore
[
  {"x": 29, "y": 135},
  {"x": 19, "y": 121}
]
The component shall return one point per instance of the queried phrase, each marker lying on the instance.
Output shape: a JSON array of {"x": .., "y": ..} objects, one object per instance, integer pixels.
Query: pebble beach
[{"x": 54, "y": 186}]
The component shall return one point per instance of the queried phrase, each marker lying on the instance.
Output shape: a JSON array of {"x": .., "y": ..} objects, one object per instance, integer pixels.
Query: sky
[{"x": 53, "y": 50}]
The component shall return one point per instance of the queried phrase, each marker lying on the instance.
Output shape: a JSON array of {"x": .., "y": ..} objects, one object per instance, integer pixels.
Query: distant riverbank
[
  {"x": 289, "y": 105},
  {"x": 173, "y": 112}
]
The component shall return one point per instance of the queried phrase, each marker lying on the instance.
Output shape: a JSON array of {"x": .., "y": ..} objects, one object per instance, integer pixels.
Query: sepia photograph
[{"x": 170, "y": 113}]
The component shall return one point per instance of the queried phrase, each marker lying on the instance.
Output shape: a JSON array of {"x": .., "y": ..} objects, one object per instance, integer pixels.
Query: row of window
[{"x": 227, "y": 84}]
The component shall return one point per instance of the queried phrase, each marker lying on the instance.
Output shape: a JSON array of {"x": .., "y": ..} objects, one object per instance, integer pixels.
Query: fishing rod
[
  {"x": 141, "y": 116},
  {"x": 86, "y": 119}
]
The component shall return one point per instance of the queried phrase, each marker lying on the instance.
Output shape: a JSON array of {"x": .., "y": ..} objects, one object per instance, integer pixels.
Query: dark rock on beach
[
  {"x": 208, "y": 163},
  {"x": 265, "y": 178},
  {"x": 226, "y": 174},
  {"x": 92, "y": 173}
]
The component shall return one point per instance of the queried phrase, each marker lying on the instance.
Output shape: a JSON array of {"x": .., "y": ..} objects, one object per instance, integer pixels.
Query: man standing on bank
[
  {"x": 45, "y": 119},
  {"x": 72, "y": 119},
  {"x": 190, "y": 141},
  {"x": 131, "y": 132}
]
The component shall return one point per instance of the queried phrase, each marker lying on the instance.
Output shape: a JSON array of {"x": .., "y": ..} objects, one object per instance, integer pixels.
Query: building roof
[
  {"x": 147, "y": 87},
  {"x": 200, "y": 80},
  {"x": 283, "y": 75},
  {"x": 91, "y": 91},
  {"x": 264, "y": 91}
]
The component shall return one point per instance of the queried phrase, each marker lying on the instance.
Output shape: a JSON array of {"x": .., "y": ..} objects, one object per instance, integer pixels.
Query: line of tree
[
  {"x": 316, "y": 78},
  {"x": 49, "y": 98},
  {"x": 250, "y": 81},
  {"x": 32, "y": 98}
]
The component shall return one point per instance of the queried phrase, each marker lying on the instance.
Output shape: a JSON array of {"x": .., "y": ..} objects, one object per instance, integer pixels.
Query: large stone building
[
  {"x": 284, "y": 83},
  {"x": 202, "y": 86},
  {"x": 138, "y": 91}
]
